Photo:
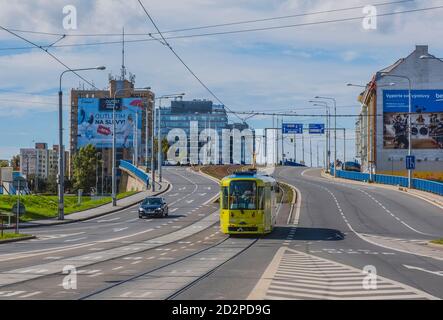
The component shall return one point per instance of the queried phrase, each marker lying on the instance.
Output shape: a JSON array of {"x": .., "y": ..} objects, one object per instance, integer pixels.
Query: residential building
[{"x": 382, "y": 128}]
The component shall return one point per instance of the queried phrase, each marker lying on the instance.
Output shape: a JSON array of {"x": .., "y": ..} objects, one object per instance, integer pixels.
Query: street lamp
[
  {"x": 371, "y": 143},
  {"x": 335, "y": 131},
  {"x": 385, "y": 74},
  {"x": 114, "y": 142},
  {"x": 159, "y": 132},
  {"x": 328, "y": 134},
  {"x": 61, "y": 153}
]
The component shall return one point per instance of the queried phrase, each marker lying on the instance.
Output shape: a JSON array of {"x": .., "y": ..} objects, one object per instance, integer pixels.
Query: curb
[
  {"x": 294, "y": 200},
  {"x": 435, "y": 245},
  {"x": 388, "y": 187},
  {"x": 37, "y": 225},
  {"x": 217, "y": 196},
  {"x": 17, "y": 239}
]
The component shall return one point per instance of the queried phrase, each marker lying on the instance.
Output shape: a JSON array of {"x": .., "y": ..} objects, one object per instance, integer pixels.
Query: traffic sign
[
  {"x": 316, "y": 128},
  {"x": 292, "y": 128},
  {"x": 21, "y": 210},
  {"x": 410, "y": 162}
]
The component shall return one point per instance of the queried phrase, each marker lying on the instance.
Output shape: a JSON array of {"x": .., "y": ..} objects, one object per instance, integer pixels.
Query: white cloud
[{"x": 261, "y": 70}]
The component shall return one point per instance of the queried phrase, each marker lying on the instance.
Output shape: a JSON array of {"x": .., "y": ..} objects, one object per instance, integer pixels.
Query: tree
[
  {"x": 4, "y": 163},
  {"x": 84, "y": 163},
  {"x": 165, "y": 148},
  {"x": 15, "y": 162}
]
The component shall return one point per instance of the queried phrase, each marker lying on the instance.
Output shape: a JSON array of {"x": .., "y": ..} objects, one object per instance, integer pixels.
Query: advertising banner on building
[
  {"x": 426, "y": 119},
  {"x": 95, "y": 122}
]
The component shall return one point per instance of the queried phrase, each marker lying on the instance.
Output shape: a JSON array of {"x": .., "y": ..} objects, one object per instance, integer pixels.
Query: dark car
[{"x": 153, "y": 207}]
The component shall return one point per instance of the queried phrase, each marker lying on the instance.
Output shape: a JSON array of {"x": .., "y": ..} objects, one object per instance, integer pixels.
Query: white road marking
[
  {"x": 297, "y": 275},
  {"x": 108, "y": 220},
  {"x": 437, "y": 273},
  {"x": 75, "y": 240},
  {"x": 30, "y": 294},
  {"x": 118, "y": 268},
  {"x": 120, "y": 229}
]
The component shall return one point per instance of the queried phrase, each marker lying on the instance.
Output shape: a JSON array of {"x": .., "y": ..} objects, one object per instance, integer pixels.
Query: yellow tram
[{"x": 248, "y": 203}]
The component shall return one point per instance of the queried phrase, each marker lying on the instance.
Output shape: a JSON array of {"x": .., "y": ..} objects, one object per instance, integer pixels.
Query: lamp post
[
  {"x": 114, "y": 143},
  {"x": 384, "y": 74},
  {"x": 335, "y": 130},
  {"x": 159, "y": 132},
  {"x": 371, "y": 142},
  {"x": 61, "y": 152},
  {"x": 328, "y": 134}
]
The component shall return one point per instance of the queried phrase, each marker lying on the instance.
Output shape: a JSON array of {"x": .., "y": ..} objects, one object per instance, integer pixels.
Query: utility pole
[
  {"x": 310, "y": 148},
  {"x": 344, "y": 146},
  {"x": 318, "y": 162},
  {"x": 303, "y": 147},
  {"x": 159, "y": 144},
  {"x": 152, "y": 148},
  {"x": 295, "y": 147},
  {"x": 282, "y": 143}
]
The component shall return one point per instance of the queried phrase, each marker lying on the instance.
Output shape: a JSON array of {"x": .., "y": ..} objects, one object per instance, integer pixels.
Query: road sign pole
[{"x": 17, "y": 215}]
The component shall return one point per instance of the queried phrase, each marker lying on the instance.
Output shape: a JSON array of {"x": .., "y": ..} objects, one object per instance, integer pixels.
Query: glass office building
[{"x": 181, "y": 114}]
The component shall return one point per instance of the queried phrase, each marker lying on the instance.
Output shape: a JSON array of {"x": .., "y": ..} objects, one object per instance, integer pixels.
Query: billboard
[
  {"x": 95, "y": 124},
  {"x": 426, "y": 119}
]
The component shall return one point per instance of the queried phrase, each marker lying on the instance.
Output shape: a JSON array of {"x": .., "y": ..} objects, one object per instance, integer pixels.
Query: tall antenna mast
[{"x": 123, "y": 75}]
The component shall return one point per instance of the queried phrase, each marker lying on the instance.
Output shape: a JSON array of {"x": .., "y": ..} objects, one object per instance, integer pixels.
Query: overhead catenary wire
[
  {"x": 234, "y": 31},
  {"x": 49, "y": 53},
  {"x": 166, "y": 43},
  {"x": 211, "y": 26}
]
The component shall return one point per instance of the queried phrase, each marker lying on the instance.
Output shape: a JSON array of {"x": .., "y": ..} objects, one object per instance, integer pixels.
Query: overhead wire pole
[
  {"x": 60, "y": 120},
  {"x": 335, "y": 130},
  {"x": 328, "y": 134}
]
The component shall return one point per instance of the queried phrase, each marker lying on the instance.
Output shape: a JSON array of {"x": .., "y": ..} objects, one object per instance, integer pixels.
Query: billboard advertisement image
[
  {"x": 95, "y": 124},
  {"x": 426, "y": 119}
]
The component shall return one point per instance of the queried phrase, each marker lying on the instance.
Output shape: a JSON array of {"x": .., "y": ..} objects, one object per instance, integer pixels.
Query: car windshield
[
  {"x": 243, "y": 195},
  {"x": 152, "y": 201}
]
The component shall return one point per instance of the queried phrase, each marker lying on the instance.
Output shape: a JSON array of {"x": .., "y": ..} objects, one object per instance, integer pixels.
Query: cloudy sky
[{"x": 279, "y": 69}]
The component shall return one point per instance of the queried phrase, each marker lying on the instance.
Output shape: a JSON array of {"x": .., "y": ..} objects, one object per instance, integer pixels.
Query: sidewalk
[
  {"x": 99, "y": 211},
  {"x": 427, "y": 196}
]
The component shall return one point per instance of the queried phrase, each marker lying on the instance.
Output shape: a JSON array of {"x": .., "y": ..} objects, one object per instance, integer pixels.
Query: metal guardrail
[
  {"x": 419, "y": 184},
  {"x": 140, "y": 174},
  {"x": 293, "y": 164}
]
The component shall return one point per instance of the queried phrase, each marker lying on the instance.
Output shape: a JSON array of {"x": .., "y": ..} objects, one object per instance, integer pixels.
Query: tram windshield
[{"x": 243, "y": 195}]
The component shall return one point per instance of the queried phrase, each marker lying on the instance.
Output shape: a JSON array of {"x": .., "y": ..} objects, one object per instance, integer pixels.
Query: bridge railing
[
  {"x": 419, "y": 184},
  {"x": 136, "y": 172}
]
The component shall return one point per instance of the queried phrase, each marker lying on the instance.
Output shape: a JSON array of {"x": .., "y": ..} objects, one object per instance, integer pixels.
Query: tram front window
[{"x": 243, "y": 195}]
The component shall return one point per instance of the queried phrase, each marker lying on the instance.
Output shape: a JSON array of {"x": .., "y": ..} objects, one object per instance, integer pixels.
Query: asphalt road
[
  {"x": 343, "y": 241},
  {"x": 351, "y": 242},
  {"x": 30, "y": 269}
]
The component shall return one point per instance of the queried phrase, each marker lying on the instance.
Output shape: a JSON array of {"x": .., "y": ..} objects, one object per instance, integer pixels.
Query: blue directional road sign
[
  {"x": 292, "y": 128},
  {"x": 410, "y": 162},
  {"x": 316, "y": 128}
]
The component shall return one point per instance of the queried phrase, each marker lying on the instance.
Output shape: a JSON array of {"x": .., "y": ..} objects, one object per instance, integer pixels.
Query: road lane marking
[
  {"x": 297, "y": 275},
  {"x": 30, "y": 294},
  {"x": 109, "y": 220},
  {"x": 437, "y": 273},
  {"x": 75, "y": 240}
]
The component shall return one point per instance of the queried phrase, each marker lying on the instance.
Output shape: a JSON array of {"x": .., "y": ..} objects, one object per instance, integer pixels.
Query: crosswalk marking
[{"x": 297, "y": 275}]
